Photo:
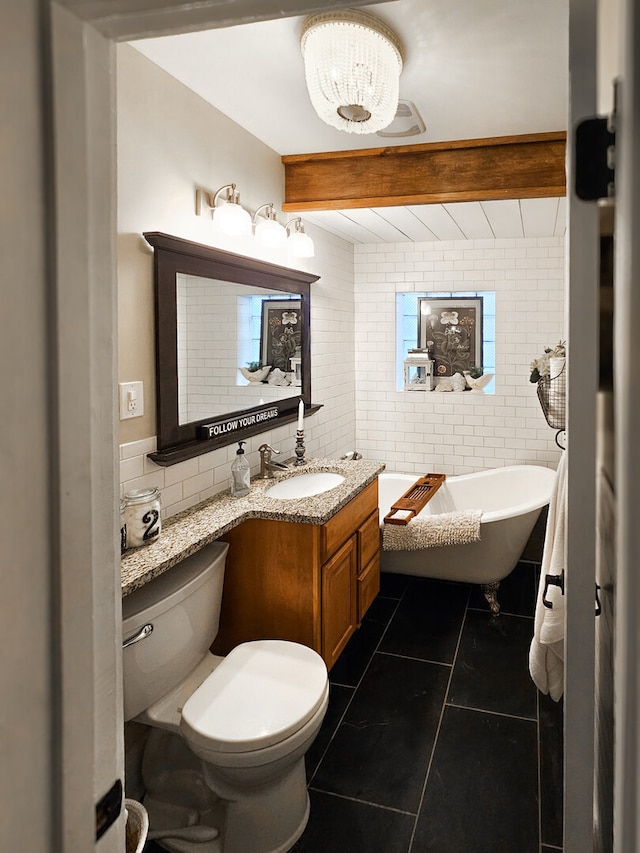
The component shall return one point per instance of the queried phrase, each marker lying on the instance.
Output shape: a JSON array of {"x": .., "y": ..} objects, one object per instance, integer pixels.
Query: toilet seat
[{"x": 261, "y": 693}]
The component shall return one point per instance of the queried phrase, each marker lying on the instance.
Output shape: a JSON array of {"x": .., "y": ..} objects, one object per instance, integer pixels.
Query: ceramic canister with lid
[{"x": 142, "y": 516}]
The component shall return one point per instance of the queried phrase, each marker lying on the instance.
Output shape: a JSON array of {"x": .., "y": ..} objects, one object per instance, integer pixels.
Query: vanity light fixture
[
  {"x": 352, "y": 64},
  {"x": 300, "y": 245},
  {"x": 228, "y": 214},
  {"x": 269, "y": 232}
]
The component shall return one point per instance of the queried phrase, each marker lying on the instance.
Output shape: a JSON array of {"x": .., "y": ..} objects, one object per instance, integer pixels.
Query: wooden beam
[{"x": 503, "y": 167}]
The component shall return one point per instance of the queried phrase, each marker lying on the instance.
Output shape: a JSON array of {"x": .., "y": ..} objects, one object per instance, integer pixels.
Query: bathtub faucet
[
  {"x": 267, "y": 465},
  {"x": 352, "y": 454}
]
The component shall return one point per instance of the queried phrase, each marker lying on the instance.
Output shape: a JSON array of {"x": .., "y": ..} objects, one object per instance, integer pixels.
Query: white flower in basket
[
  {"x": 541, "y": 367},
  {"x": 548, "y": 373}
]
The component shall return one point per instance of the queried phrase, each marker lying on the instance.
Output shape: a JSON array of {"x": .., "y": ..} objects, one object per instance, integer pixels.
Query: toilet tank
[{"x": 183, "y": 606}]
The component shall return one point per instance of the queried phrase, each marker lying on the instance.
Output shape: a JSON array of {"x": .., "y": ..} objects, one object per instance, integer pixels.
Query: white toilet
[{"x": 224, "y": 763}]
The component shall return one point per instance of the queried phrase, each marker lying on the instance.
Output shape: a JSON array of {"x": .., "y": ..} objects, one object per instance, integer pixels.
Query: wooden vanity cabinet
[{"x": 303, "y": 582}]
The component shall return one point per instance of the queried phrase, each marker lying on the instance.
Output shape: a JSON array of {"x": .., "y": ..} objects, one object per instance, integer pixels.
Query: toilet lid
[{"x": 261, "y": 693}]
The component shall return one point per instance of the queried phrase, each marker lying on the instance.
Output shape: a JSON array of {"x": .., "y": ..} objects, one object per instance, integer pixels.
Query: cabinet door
[
  {"x": 345, "y": 522},
  {"x": 368, "y": 563},
  {"x": 368, "y": 586},
  {"x": 339, "y": 602}
]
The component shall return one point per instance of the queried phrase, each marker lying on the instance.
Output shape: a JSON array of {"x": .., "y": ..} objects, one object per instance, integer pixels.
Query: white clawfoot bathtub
[{"x": 510, "y": 499}]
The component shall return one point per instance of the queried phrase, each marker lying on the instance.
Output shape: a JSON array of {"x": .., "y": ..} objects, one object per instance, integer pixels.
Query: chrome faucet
[
  {"x": 267, "y": 465},
  {"x": 352, "y": 454}
]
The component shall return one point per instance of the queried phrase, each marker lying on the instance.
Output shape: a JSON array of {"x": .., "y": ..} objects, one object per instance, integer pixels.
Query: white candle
[{"x": 301, "y": 414}]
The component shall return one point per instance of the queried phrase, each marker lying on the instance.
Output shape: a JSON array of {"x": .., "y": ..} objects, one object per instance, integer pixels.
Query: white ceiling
[
  {"x": 473, "y": 68},
  {"x": 531, "y": 217}
]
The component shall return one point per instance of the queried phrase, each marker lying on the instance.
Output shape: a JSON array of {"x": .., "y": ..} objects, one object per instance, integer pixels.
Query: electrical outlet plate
[{"x": 131, "y": 400}]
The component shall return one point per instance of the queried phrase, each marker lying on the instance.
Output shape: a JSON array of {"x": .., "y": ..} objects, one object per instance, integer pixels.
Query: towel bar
[
  {"x": 552, "y": 580},
  {"x": 558, "y": 580}
]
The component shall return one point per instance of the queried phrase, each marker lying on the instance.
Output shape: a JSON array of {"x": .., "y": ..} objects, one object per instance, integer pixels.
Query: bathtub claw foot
[{"x": 490, "y": 591}]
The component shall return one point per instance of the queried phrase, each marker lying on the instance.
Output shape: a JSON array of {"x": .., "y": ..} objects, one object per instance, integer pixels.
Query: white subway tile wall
[
  {"x": 328, "y": 433},
  {"x": 213, "y": 317},
  {"x": 353, "y": 344},
  {"x": 458, "y": 433}
]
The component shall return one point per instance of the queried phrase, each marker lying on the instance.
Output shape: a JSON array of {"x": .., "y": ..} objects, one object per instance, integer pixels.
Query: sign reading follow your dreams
[{"x": 229, "y": 425}]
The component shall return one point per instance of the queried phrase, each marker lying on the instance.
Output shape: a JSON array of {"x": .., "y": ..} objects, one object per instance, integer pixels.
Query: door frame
[
  {"x": 627, "y": 428},
  {"x": 83, "y": 48},
  {"x": 582, "y": 305}
]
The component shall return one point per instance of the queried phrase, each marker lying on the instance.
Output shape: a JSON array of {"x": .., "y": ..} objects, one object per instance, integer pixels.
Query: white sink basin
[{"x": 305, "y": 485}]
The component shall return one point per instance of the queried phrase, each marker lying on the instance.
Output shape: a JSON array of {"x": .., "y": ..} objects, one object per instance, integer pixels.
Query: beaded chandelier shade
[{"x": 352, "y": 66}]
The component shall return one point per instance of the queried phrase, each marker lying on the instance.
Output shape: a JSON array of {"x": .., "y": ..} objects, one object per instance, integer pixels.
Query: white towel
[
  {"x": 430, "y": 531},
  {"x": 546, "y": 654}
]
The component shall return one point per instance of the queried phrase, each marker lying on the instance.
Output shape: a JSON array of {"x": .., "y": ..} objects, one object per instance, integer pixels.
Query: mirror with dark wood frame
[{"x": 218, "y": 315}]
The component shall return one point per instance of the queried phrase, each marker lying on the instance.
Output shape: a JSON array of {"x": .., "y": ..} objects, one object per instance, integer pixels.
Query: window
[
  {"x": 407, "y": 336},
  {"x": 253, "y": 347}
]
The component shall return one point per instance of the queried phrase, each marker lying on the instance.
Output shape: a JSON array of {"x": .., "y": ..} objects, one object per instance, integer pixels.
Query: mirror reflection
[
  {"x": 233, "y": 352},
  {"x": 238, "y": 346}
]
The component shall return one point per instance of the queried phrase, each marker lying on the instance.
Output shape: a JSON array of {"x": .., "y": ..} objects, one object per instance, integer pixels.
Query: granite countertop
[{"x": 190, "y": 530}]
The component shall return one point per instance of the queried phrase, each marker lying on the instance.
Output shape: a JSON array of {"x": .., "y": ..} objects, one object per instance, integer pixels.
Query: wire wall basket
[{"x": 552, "y": 393}]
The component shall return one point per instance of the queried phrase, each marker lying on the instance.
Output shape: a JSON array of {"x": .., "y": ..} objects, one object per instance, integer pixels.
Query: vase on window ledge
[
  {"x": 478, "y": 385},
  {"x": 254, "y": 376}
]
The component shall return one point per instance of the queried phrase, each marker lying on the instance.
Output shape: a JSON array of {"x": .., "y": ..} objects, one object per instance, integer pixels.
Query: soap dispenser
[{"x": 240, "y": 473}]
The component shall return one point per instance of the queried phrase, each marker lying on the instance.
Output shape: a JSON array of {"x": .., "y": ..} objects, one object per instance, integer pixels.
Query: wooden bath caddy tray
[{"x": 415, "y": 499}]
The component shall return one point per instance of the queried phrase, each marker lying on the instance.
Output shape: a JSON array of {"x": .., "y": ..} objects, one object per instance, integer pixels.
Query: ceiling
[
  {"x": 473, "y": 68},
  {"x": 473, "y": 220}
]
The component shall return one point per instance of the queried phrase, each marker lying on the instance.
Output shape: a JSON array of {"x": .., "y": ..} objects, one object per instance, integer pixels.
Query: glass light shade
[
  {"x": 270, "y": 233},
  {"x": 352, "y": 67},
  {"x": 300, "y": 245},
  {"x": 231, "y": 218}
]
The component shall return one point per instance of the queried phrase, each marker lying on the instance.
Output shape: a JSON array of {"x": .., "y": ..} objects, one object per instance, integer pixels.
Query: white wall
[
  {"x": 169, "y": 142},
  {"x": 457, "y": 433},
  {"x": 409, "y": 431},
  {"x": 328, "y": 433}
]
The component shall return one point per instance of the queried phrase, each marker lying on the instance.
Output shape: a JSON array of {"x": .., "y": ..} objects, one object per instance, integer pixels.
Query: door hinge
[
  {"x": 595, "y": 150},
  {"x": 595, "y": 153}
]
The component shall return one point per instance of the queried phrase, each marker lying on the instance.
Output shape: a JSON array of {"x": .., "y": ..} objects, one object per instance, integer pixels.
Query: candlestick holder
[{"x": 300, "y": 448}]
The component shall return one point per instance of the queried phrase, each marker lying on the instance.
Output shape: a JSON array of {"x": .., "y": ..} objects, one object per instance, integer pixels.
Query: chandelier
[{"x": 352, "y": 65}]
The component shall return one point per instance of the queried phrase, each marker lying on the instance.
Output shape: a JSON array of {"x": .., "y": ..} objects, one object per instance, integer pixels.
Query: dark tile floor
[{"x": 436, "y": 740}]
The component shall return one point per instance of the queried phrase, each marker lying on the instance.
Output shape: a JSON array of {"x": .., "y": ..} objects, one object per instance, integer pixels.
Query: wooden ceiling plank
[
  {"x": 438, "y": 220},
  {"x": 471, "y": 220},
  {"x": 331, "y": 221},
  {"x": 448, "y": 145},
  {"x": 408, "y": 223},
  {"x": 529, "y": 166},
  {"x": 340, "y": 223},
  {"x": 381, "y": 227},
  {"x": 561, "y": 219},
  {"x": 536, "y": 215},
  {"x": 504, "y": 217}
]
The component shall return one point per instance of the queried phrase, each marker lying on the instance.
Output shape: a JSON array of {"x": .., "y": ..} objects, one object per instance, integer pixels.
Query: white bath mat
[{"x": 449, "y": 528}]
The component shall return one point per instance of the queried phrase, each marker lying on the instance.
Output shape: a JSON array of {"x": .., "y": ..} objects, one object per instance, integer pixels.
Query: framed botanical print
[
  {"x": 281, "y": 332},
  {"x": 451, "y": 329}
]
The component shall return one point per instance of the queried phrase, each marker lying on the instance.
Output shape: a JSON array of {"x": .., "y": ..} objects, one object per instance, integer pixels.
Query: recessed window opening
[
  {"x": 420, "y": 323},
  {"x": 251, "y": 348}
]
